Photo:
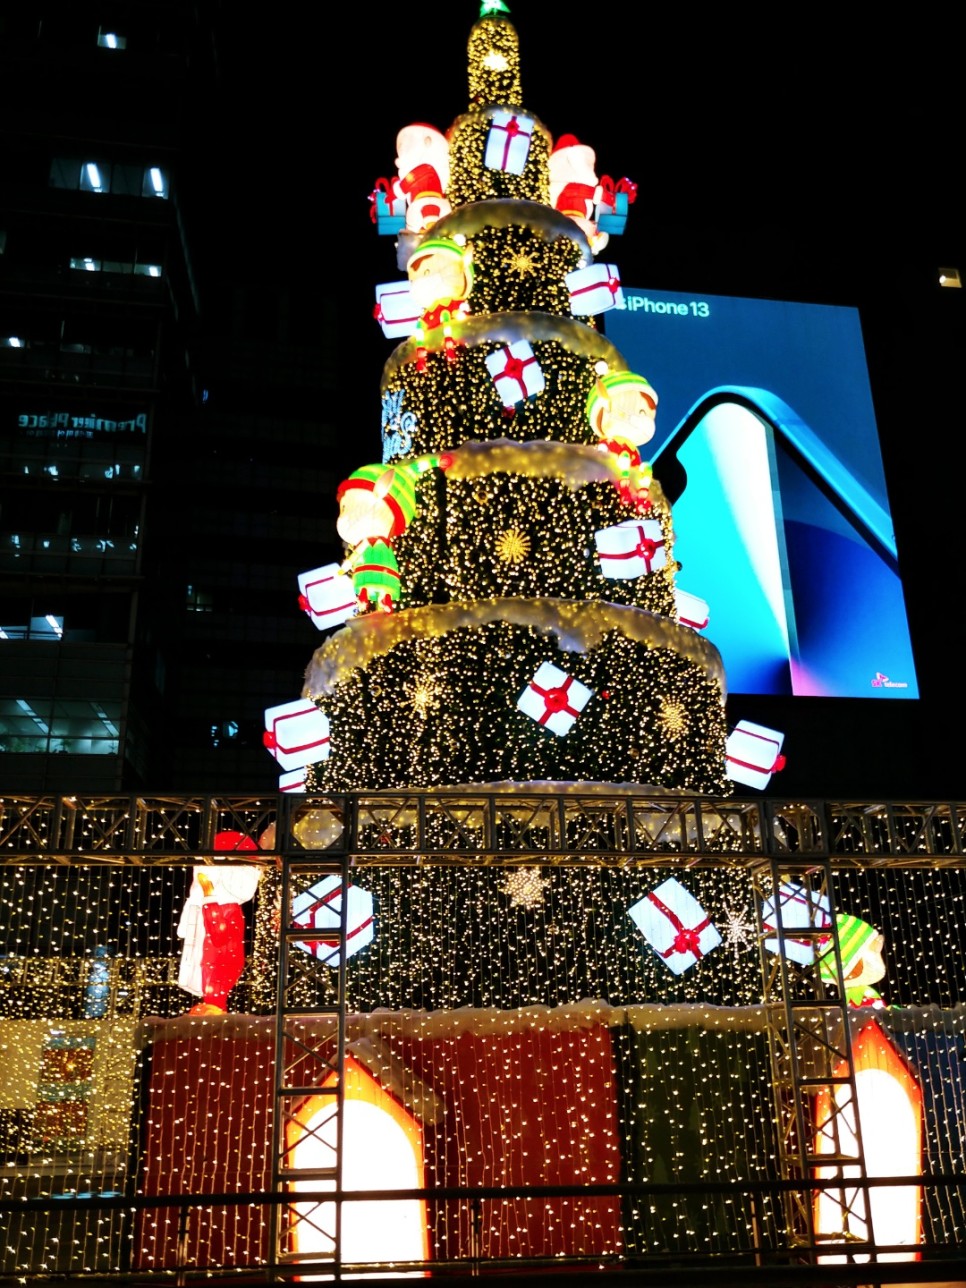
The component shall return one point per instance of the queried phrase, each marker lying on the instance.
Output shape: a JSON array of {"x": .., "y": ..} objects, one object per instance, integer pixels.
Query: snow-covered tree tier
[
  {"x": 511, "y": 554},
  {"x": 430, "y": 697}
]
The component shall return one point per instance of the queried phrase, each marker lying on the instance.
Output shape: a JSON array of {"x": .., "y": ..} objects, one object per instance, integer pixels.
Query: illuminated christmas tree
[{"x": 507, "y": 611}]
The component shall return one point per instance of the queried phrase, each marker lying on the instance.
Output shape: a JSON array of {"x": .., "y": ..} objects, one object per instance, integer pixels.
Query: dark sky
[{"x": 786, "y": 157}]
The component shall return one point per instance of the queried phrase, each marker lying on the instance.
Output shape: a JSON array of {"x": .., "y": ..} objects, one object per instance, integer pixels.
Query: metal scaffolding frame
[{"x": 566, "y": 825}]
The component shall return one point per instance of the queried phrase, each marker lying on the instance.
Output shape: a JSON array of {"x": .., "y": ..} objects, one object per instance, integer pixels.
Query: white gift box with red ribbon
[
  {"x": 516, "y": 373},
  {"x": 326, "y": 595},
  {"x": 675, "y": 925},
  {"x": 691, "y": 609},
  {"x": 296, "y": 734},
  {"x": 320, "y": 909},
  {"x": 293, "y": 782},
  {"x": 797, "y": 908},
  {"x": 753, "y": 754},
  {"x": 395, "y": 309},
  {"x": 508, "y": 142},
  {"x": 594, "y": 289},
  {"x": 554, "y": 699},
  {"x": 631, "y": 548}
]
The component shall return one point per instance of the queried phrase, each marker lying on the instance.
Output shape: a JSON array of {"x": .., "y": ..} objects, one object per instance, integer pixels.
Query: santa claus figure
[
  {"x": 422, "y": 165},
  {"x": 212, "y": 926},
  {"x": 574, "y": 189}
]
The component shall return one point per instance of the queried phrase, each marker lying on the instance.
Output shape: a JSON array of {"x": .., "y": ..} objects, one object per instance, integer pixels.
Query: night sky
[{"x": 778, "y": 158}]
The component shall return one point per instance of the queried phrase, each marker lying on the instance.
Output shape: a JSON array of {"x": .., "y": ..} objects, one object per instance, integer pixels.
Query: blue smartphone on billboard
[{"x": 768, "y": 451}]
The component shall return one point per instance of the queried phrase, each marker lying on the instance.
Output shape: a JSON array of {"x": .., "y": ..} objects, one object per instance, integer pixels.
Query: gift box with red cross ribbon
[
  {"x": 692, "y": 610},
  {"x": 327, "y": 596},
  {"x": 296, "y": 734},
  {"x": 516, "y": 373},
  {"x": 594, "y": 289},
  {"x": 797, "y": 908},
  {"x": 293, "y": 782},
  {"x": 753, "y": 754},
  {"x": 554, "y": 699},
  {"x": 631, "y": 549},
  {"x": 395, "y": 309},
  {"x": 508, "y": 142},
  {"x": 675, "y": 925},
  {"x": 319, "y": 909}
]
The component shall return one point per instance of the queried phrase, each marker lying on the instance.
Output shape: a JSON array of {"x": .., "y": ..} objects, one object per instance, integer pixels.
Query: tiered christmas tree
[{"x": 507, "y": 611}]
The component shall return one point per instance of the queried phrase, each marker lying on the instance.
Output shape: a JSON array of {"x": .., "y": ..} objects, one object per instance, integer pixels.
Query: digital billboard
[{"x": 768, "y": 449}]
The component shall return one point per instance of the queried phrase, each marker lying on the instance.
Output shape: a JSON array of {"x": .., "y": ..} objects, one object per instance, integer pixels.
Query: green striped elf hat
[
  {"x": 854, "y": 936},
  {"x": 394, "y": 485}
]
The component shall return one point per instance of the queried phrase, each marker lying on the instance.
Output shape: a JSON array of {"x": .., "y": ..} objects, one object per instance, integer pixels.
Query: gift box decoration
[
  {"x": 554, "y": 699},
  {"x": 293, "y": 782},
  {"x": 516, "y": 373},
  {"x": 675, "y": 925},
  {"x": 612, "y": 207},
  {"x": 66, "y": 1067},
  {"x": 631, "y": 548},
  {"x": 388, "y": 208},
  {"x": 320, "y": 909},
  {"x": 296, "y": 734},
  {"x": 691, "y": 609},
  {"x": 395, "y": 309},
  {"x": 595, "y": 289},
  {"x": 798, "y": 908},
  {"x": 326, "y": 595},
  {"x": 753, "y": 754},
  {"x": 508, "y": 142}
]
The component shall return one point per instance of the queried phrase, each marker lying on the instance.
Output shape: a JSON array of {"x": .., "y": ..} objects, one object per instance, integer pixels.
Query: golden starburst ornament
[
  {"x": 421, "y": 696},
  {"x": 523, "y": 264},
  {"x": 525, "y": 886},
  {"x": 673, "y": 719},
  {"x": 512, "y": 546}
]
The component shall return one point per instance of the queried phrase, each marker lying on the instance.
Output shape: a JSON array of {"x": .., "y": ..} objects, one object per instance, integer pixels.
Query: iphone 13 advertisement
[{"x": 767, "y": 448}]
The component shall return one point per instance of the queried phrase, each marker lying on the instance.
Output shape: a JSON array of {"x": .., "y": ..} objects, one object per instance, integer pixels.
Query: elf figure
[
  {"x": 375, "y": 575},
  {"x": 440, "y": 280},
  {"x": 621, "y": 410},
  {"x": 422, "y": 164},
  {"x": 860, "y": 947},
  {"x": 623, "y": 405},
  {"x": 376, "y": 501},
  {"x": 212, "y": 926}
]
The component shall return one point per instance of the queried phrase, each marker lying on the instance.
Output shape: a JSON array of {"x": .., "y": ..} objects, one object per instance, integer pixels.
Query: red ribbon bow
[
  {"x": 555, "y": 700},
  {"x": 686, "y": 940},
  {"x": 514, "y": 371}
]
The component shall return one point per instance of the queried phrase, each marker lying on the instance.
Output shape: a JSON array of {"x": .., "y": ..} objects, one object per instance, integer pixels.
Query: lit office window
[
  {"x": 121, "y": 178},
  {"x": 86, "y": 263},
  {"x": 155, "y": 182},
  {"x": 950, "y": 277},
  {"x": 12, "y": 342},
  {"x": 199, "y": 601},
  {"x": 224, "y": 731},
  {"x": 110, "y": 39},
  {"x": 94, "y": 177}
]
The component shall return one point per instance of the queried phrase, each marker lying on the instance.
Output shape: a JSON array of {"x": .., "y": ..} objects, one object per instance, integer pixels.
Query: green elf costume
[{"x": 860, "y": 947}]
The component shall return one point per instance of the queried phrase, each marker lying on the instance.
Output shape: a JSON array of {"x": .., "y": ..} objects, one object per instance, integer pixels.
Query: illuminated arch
[
  {"x": 890, "y": 1112},
  {"x": 382, "y": 1149}
]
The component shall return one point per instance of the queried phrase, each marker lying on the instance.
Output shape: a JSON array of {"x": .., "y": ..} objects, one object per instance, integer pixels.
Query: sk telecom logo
[{"x": 881, "y": 681}]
